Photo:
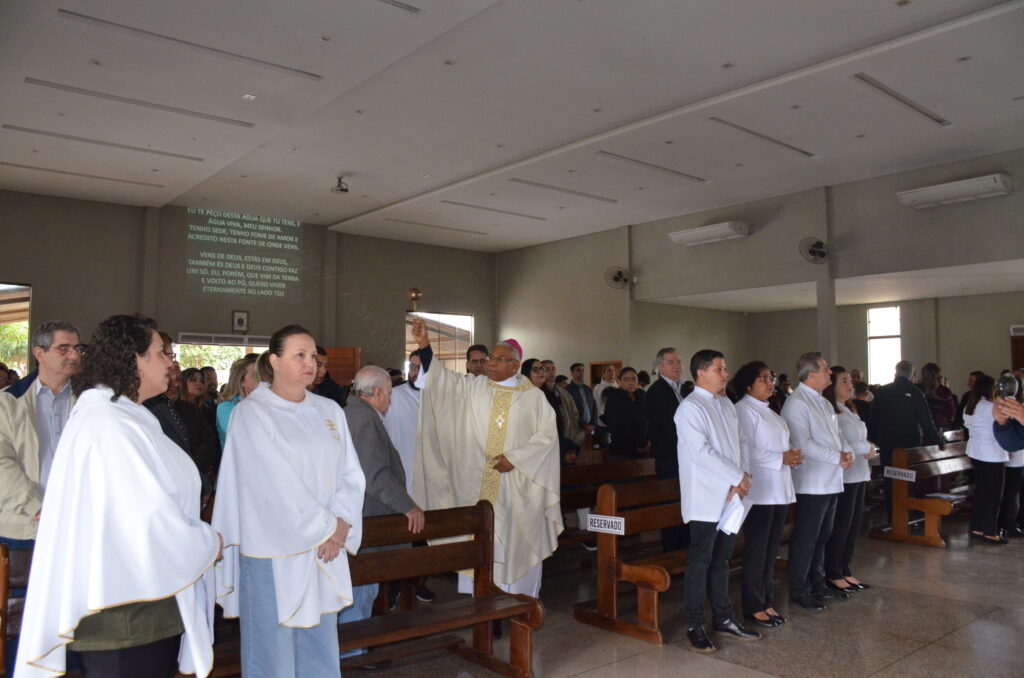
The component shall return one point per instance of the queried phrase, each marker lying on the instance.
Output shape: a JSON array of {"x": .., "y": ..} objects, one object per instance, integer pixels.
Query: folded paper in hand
[{"x": 733, "y": 514}]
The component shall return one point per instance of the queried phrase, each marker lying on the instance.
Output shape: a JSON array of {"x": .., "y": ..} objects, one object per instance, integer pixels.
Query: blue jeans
[
  {"x": 361, "y": 608},
  {"x": 270, "y": 650}
]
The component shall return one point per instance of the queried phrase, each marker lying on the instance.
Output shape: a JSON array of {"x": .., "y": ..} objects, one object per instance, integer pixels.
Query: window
[
  {"x": 14, "y": 309},
  {"x": 450, "y": 336},
  {"x": 884, "y": 346},
  {"x": 216, "y": 350}
]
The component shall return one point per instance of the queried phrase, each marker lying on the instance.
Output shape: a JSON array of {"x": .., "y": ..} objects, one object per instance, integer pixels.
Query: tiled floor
[{"x": 930, "y": 612}]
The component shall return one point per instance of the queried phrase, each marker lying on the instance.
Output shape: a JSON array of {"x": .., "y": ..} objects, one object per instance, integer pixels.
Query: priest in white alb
[{"x": 491, "y": 437}]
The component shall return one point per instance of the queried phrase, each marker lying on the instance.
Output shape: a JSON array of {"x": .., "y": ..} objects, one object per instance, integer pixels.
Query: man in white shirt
[
  {"x": 818, "y": 482},
  {"x": 33, "y": 413},
  {"x": 711, "y": 473}
]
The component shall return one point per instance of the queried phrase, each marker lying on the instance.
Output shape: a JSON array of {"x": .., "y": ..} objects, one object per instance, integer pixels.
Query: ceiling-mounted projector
[
  {"x": 978, "y": 188},
  {"x": 727, "y": 230}
]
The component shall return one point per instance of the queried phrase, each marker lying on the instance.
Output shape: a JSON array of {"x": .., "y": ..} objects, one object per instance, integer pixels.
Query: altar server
[{"x": 289, "y": 504}]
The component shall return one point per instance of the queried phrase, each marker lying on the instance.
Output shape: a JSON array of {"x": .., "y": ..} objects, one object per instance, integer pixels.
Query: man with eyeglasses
[
  {"x": 33, "y": 413},
  {"x": 491, "y": 438}
]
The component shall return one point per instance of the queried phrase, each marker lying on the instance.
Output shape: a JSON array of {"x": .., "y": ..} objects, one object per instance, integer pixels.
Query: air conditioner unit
[
  {"x": 978, "y": 188},
  {"x": 727, "y": 230},
  {"x": 1017, "y": 330}
]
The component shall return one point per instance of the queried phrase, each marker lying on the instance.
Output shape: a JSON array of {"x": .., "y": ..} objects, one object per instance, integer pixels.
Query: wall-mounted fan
[
  {"x": 813, "y": 250},
  {"x": 617, "y": 277}
]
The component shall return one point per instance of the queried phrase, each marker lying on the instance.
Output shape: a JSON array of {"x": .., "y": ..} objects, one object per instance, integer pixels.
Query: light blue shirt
[{"x": 52, "y": 412}]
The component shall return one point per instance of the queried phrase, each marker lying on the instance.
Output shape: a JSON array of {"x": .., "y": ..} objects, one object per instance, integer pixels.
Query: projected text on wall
[{"x": 243, "y": 255}]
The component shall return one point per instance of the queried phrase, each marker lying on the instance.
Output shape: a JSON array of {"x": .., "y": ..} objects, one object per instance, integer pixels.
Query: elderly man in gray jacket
[{"x": 385, "y": 478}]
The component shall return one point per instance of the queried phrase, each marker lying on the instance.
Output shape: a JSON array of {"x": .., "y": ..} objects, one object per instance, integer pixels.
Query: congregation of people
[{"x": 151, "y": 493}]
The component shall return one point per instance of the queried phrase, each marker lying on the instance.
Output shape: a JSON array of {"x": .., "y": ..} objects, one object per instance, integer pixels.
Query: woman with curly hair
[{"x": 121, "y": 554}]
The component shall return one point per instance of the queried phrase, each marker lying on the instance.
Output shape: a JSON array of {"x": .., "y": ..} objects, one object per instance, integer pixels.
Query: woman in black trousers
[
  {"x": 764, "y": 444},
  {"x": 850, "y": 507},
  {"x": 989, "y": 460}
]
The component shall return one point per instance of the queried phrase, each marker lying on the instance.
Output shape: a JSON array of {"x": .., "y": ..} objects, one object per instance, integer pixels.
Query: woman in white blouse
[
  {"x": 850, "y": 508},
  {"x": 764, "y": 444},
  {"x": 989, "y": 461},
  {"x": 289, "y": 504},
  {"x": 1009, "y": 509}
]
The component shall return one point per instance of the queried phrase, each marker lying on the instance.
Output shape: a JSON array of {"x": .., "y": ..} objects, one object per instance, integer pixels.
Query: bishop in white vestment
[{"x": 492, "y": 437}]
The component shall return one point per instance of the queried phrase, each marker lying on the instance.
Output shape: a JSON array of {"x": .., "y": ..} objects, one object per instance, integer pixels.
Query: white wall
[
  {"x": 552, "y": 298},
  {"x": 655, "y": 326}
]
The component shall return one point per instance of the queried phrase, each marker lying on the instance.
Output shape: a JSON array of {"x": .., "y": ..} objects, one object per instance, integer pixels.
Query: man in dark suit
[
  {"x": 862, "y": 398},
  {"x": 899, "y": 417},
  {"x": 584, "y": 399},
  {"x": 382, "y": 466},
  {"x": 663, "y": 398}
]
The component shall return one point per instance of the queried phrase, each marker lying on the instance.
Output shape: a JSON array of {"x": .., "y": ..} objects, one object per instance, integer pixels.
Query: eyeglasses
[
  {"x": 170, "y": 354},
  {"x": 501, "y": 359},
  {"x": 65, "y": 349},
  {"x": 538, "y": 369},
  {"x": 767, "y": 378}
]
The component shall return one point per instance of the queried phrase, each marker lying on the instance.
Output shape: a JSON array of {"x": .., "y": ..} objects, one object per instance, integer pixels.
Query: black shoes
[
  {"x": 769, "y": 623},
  {"x": 809, "y": 602},
  {"x": 843, "y": 589},
  {"x": 860, "y": 586},
  {"x": 699, "y": 639},
  {"x": 777, "y": 618},
  {"x": 734, "y": 628},
  {"x": 425, "y": 595},
  {"x": 1013, "y": 533},
  {"x": 825, "y": 594}
]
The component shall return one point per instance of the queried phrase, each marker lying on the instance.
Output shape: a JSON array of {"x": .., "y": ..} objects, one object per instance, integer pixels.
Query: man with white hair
[
  {"x": 492, "y": 438},
  {"x": 382, "y": 465}
]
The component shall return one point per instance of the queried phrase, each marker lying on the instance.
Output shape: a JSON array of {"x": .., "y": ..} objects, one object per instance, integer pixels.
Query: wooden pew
[
  {"x": 649, "y": 505},
  {"x": 580, "y": 483},
  {"x": 407, "y": 632},
  {"x": 927, "y": 462},
  {"x": 645, "y": 506},
  {"x": 14, "y": 567}
]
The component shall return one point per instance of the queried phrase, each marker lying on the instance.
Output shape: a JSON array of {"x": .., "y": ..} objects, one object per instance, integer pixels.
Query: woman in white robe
[
  {"x": 289, "y": 504},
  {"x": 119, "y": 563}
]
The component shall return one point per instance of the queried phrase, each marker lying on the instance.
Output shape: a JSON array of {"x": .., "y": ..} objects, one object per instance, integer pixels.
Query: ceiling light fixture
[
  {"x": 440, "y": 228},
  {"x": 402, "y": 6},
  {"x": 99, "y": 142},
  {"x": 763, "y": 137},
  {"x": 249, "y": 97},
  {"x": 559, "y": 189},
  {"x": 899, "y": 98},
  {"x": 80, "y": 174},
  {"x": 491, "y": 209},
  {"x": 135, "y": 102},
  {"x": 140, "y": 32},
  {"x": 652, "y": 166}
]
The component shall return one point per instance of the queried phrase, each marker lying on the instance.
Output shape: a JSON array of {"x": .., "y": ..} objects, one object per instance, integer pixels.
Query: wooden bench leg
[
  {"x": 932, "y": 522},
  {"x": 520, "y": 649},
  {"x": 483, "y": 639},
  {"x": 647, "y": 608}
]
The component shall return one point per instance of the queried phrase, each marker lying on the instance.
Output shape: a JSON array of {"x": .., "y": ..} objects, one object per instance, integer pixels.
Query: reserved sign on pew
[
  {"x": 900, "y": 474},
  {"x": 606, "y": 524}
]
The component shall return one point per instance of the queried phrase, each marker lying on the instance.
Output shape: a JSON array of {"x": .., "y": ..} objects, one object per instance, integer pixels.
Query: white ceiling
[
  {"x": 471, "y": 104},
  {"x": 953, "y": 281}
]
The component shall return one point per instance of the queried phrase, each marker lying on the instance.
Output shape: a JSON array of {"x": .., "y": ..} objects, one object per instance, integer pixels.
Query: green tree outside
[{"x": 14, "y": 346}]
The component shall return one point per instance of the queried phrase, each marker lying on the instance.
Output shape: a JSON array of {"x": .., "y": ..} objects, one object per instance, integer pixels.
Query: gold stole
[{"x": 500, "y": 405}]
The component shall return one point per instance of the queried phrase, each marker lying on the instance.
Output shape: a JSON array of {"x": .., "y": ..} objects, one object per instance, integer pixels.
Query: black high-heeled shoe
[
  {"x": 844, "y": 589},
  {"x": 860, "y": 586},
  {"x": 768, "y": 623},
  {"x": 777, "y": 618}
]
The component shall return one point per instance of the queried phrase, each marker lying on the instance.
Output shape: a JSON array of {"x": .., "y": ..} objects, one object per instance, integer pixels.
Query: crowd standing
[{"x": 111, "y": 448}]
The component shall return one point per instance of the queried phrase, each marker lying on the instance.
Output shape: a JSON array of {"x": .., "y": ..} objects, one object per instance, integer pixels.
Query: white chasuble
[
  {"x": 120, "y": 524},
  {"x": 289, "y": 470},
  {"x": 466, "y": 422},
  {"x": 400, "y": 423}
]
